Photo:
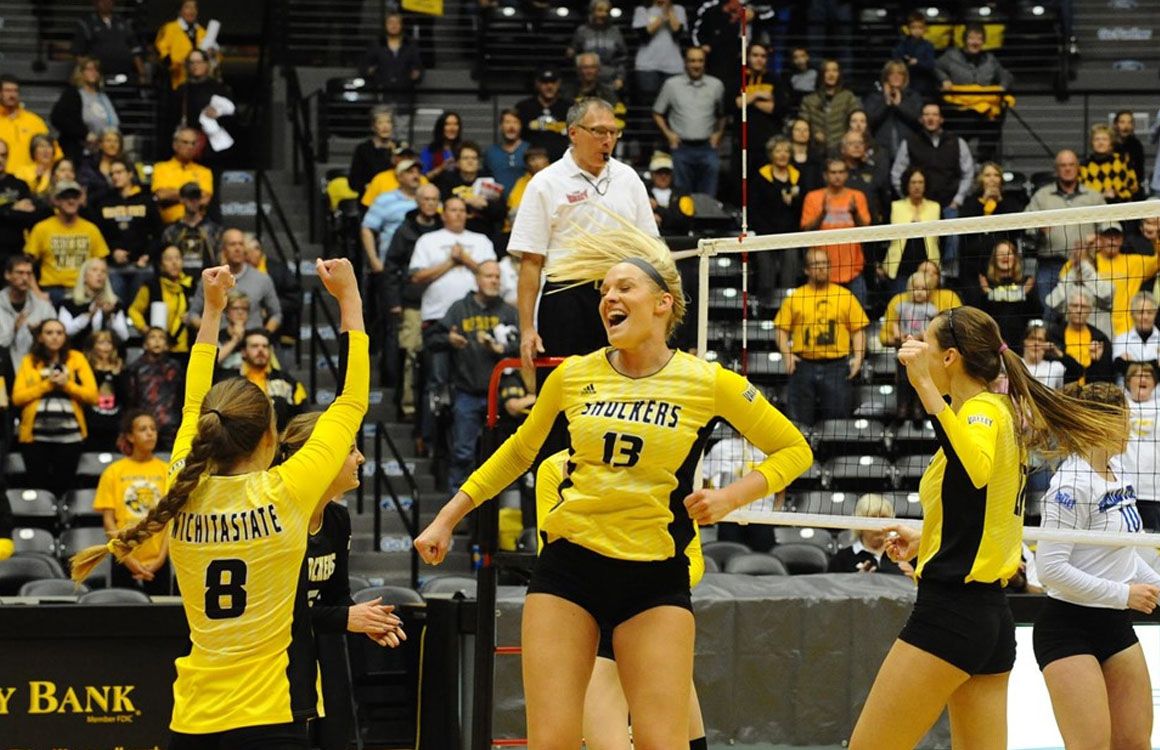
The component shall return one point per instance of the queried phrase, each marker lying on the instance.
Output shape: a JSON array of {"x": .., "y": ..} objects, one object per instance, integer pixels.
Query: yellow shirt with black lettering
[
  {"x": 237, "y": 546},
  {"x": 635, "y": 444},
  {"x": 131, "y": 489},
  {"x": 1127, "y": 273},
  {"x": 973, "y": 495},
  {"x": 62, "y": 249},
  {"x": 820, "y": 321}
]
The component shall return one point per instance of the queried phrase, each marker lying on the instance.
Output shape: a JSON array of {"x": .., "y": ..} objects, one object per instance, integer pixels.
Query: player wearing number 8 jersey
[
  {"x": 238, "y": 534},
  {"x": 638, "y": 415}
]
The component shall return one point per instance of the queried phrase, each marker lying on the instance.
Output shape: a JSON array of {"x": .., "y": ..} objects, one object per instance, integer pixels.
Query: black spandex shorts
[
  {"x": 612, "y": 591},
  {"x": 1064, "y": 630},
  {"x": 294, "y": 736},
  {"x": 967, "y": 625},
  {"x": 604, "y": 650}
]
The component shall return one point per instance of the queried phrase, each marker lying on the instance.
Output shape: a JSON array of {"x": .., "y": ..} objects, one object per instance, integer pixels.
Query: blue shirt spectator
[
  {"x": 387, "y": 213},
  {"x": 505, "y": 160}
]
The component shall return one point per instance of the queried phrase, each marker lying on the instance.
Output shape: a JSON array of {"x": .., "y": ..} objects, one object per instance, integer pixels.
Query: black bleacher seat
[
  {"x": 725, "y": 303},
  {"x": 101, "y": 576},
  {"x": 767, "y": 368},
  {"x": 811, "y": 479},
  {"x": 724, "y": 336},
  {"x": 55, "y": 587},
  {"x": 906, "y": 438},
  {"x": 756, "y": 564},
  {"x": 20, "y": 569},
  {"x": 77, "y": 509},
  {"x": 40, "y": 541},
  {"x": 820, "y": 538},
  {"x": 906, "y": 504},
  {"x": 801, "y": 559},
  {"x": 14, "y": 471},
  {"x": 394, "y": 595},
  {"x": 456, "y": 585},
  {"x": 880, "y": 368},
  {"x": 761, "y": 335},
  {"x": 722, "y": 552},
  {"x": 711, "y": 565},
  {"x": 725, "y": 267},
  {"x": 875, "y": 402},
  {"x": 115, "y": 596},
  {"x": 36, "y": 508},
  {"x": 826, "y": 503},
  {"x": 90, "y": 467},
  {"x": 909, "y": 469},
  {"x": 73, "y": 541},
  {"x": 358, "y": 583},
  {"x": 858, "y": 474},
  {"x": 831, "y": 437},
  {"x": 527, "y": 541}
]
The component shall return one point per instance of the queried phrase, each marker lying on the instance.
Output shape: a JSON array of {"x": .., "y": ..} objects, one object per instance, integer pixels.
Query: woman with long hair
[
  {"x": 238, "y": 534},
  {"x": 987, "y": 199},
  {"x": 109, "y": 372},
  {"x": 93, "y": 305},
  {"x": 958, "y": 647},
  {"x": 1084, "y": 641},
  {"x": 904, "y": 256},
  {"x": 1008, "y": 294},
  {"x": 804, "y": 153},
  {"x": 617, "y": 546},
  {"x": 38, "y": 174},
  {"x": 438, "y": 156},
  {"x": 52, "y": 389},
  {"x": 84, "y": 110}
]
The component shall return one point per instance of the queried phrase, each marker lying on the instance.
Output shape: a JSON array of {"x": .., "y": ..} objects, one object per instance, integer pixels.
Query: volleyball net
[{"x": 1073, "y": 291}]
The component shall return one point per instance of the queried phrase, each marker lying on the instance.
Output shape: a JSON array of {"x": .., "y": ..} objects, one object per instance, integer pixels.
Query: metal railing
[
  {"x": 383, "y": 480},
  {"x": 304, "y": 157},
  {"x": 317, "y": 346}
]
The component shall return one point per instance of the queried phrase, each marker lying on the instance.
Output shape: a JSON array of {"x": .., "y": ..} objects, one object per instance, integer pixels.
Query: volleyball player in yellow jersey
[
  {"x": 605, "y": 708},
  {"x": 957, "y": 649},
  {"x": 238, "y": 533},
  {"x": 638, "y": 415}
]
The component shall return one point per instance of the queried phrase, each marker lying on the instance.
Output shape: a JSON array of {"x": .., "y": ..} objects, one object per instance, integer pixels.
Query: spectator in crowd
[
  {"x": 867, "y": 174},
  {"x": 231, "y": 340},
  {"x": 130, "y": 224},
  {"x": 1124, "y": 126},
  {"x": 16, "y": 209},
  {"x": 765, "y": 108},
  {"x": 169, "y": 177},
  {"x": 831, "y": 29},
  {"x": 545, "y": 114},
  {"x": 193, "y": 100},
  {"x": 18, "y": 126},
  {"x": 388, "y": 180},
  {"x": 194, "y": 234},
  {"x": 84, "y": 110},
  {"x": 21, "y": 311},
  {"x": 1126, "y": 272},
  {"x": 93, "y": 170},
  {"x": 1083, "y": 342},
  {"x": 63, "y": 170},
  {"x": 1146, "y": 239},
  {"x": 104, "y": 417},
  {"x": 52, "y": 389},
  {"x": 599, "y": 36},
  {"x": 834, "y": 207},
  {"x": 438, "y": 156},
  {"x": 62, "y": 243},
  {"x": 110, "y": 39},
  {"x": 387, "y": 213},
  {"x": 177, "y": 38},
  {"x": 821, "y": 333},
  {"x": 727, "y": 461},
  {"x": 479, "y": 330},
  {"x": 943, "y": 299},
  {"x": 37, "y": 173},
  {"x": 375, "y": 154},
  {"x": 962, "y": 70},
  {"x": 128, "y": 489},
  {"x": 285, "y": 284},
  {"x": 444, "y": 263},
  {"x": 893, "y": 110},
  {"x": 536, "y": 159},
  {"x": 987, "y": 199},
  {"x": 1140, "y": 343},
  {"x": 1046, "y": 362},
  {"x": 868, "y": 552},
  {"x": 917, "y": 54},
  {"x": 672, "y": 210},
  {"x": 828, "y": 108},
  {"x": 589, "y": 85},
  {"x": 286, "y": 393},
  {"x": 265, "y": 308},
  {"x": 1008, "y": 295},
  {"x": 859, "y": 123},
  {"x": 482, "y": 194},
  {"x": 155, "y": 383},
  {"x": 93, "y": 306},
  {"x": 1056, "y": 242},
  {"x": 661, "y": 26},
  {"x": 1079, "y": 274},
  {"x": 916, "y": 310},
  {"x": 717, "y": 31},
  {"x": 777, "y": 200},
  {"x": 804, "y": 155},
  {"x": 1106, "y": 170},
  {"x": 403, "y": 297},
  {"x": 799, "y": 79},
  {"x": 690, "y": 113},
  {"x": 903, "y": 257},
  {"x": 504, "y": 160},
  {"x": 393, "y": 64},
  {"x": 163, "y": 301},
  {"x": 1141, "y": 460}
]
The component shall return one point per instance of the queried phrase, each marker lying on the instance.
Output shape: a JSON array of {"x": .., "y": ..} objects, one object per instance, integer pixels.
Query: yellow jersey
[
  {"x": 635, "y": 444},
  {"x": 820, "y": 321},
  {"x": 238, "y": 547},
  {"x": 972, "y": 495},
  {"x": 18, "y": 130},
  {"x": 172, "y": 174},
  {"x": 173, "y": 42},
  {"x": 131, "y": 489},
  {"x": 61, "y": 250},
  {"x": 1127, "y": 273}
]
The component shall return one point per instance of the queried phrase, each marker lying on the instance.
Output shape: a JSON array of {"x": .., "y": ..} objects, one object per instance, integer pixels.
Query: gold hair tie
[{"x": 111, "y": 545}]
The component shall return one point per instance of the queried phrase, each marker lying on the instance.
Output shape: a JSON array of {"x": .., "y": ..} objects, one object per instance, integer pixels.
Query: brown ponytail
[
  {"x": 1050, "y": 422},
  {"x": 234, "y": 417},
  {"x": 297, "y": 432}
]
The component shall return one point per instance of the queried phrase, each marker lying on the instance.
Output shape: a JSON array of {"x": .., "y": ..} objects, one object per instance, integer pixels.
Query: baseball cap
[
  {"x": 547, "y": 75},
  {"x": 404, "y": 165},
  {"x": 66, "y": 186},
  {"x": 190, "y": 190},
  {"x": 660, "y": 161},
  {"x": 1111, "y": 226}
]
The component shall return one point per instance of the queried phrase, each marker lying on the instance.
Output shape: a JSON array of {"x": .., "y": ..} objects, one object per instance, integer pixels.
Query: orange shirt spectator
[{"x": 837, "y": 207}]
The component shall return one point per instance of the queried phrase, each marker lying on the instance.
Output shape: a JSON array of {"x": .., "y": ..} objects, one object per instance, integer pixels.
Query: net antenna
[{"x": 744, "y": 28}]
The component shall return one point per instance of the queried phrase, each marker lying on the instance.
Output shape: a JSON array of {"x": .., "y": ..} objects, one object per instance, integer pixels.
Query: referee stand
[{"x": 486, "y": 541}]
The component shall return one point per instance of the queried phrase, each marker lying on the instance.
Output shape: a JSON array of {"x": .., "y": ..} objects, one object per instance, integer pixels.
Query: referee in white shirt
[{"x": 576, "y": 191}]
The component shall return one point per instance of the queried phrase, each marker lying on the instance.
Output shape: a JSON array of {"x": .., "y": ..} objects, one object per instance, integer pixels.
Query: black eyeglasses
[{"x": 951, "y": 325}]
